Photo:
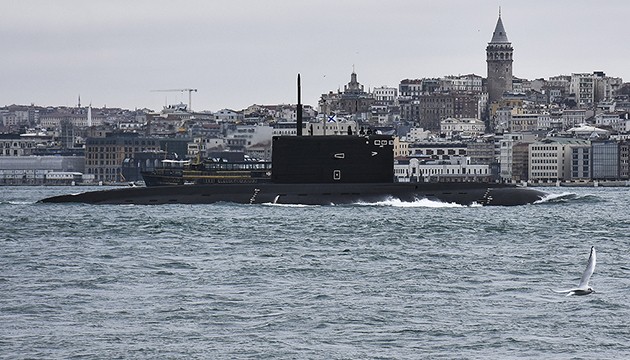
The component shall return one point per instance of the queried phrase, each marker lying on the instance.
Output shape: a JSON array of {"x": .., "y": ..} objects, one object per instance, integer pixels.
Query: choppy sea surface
[{"x": 421, "y": 280}]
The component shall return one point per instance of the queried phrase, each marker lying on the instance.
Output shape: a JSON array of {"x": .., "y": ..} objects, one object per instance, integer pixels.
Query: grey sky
[{"x": 243, "y": 52}]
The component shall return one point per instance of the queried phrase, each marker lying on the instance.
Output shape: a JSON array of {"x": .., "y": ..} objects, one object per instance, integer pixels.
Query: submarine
[{"x": 319, "y": 170}]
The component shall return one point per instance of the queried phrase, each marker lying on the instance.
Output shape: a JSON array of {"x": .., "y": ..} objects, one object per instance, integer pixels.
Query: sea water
[{"x": 391, "y": 280}]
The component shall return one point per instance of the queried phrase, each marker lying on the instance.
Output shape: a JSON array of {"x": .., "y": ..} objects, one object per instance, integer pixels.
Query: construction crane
[{"x": 182, "y": 90}]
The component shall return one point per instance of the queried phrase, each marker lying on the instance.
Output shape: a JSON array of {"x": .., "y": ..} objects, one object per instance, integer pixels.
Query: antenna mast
[{"x": 299, "y": 107}]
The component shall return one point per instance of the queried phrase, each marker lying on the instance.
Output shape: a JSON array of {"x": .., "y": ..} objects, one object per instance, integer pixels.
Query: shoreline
[{"x": 612, "y": 183}]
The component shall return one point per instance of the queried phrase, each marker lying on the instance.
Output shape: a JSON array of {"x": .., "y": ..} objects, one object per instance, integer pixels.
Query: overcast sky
[{"x": 243, "y": 52}]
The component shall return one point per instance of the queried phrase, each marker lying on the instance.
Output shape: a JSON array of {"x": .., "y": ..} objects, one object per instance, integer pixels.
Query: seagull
[{"x": 583, "y": 288}]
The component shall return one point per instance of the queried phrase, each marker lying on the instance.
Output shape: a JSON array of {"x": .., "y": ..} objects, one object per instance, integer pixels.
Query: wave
[
  {"x": 568, "y": 197},
  {"x": 16, "y": 202},
  {"x": 395, "y": 202},
  {"x": 287, "y": 205}
]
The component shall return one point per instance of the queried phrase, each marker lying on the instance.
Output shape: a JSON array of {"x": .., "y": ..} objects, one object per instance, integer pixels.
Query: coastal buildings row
[
  {"x": 586, "y": 153},
  {"x": 454, "y": 128}
]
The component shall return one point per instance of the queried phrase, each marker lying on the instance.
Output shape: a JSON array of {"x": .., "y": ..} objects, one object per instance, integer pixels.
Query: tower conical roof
[{"x": 499, "y": 35}]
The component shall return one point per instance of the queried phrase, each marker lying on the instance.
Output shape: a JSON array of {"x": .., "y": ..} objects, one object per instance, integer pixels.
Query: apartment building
[
  {"x": 551, "y": 159},
  {"x": 468, "y": 127},
  {"x": 523, "y": 123},
  {"x": 104, "y": 156},
  {"x": 17, "y": 145},
  {"x": 581, "y": 162},
  {"x": 456, "y": 169},
  {"x": 605, "y": 160},
  {"x": 583, "y": 87}
]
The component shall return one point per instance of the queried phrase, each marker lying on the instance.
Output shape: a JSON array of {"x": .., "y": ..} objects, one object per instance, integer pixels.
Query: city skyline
[{"x": 246, "y": 52}]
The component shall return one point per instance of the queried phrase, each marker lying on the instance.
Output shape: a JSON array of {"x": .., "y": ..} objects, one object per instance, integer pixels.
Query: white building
[
  {"x": 550, "y": 159},
  {"x": 543, "y": 122},
  {"x": 15, "y": 118},
  {"x": 456, "y": 169},
  {"x": 417, "y": 134},
  {"x": 588, "y": 132},
  {"x": 466, "y": 128},
  {"x": 466, "y": 83},
  {"x": 573, "y": 117},
  {"x": 331, "y": 126},
  {"x": 385, "y": 94},
  {"x": 502, "y": 119},
  {"x": 11, "y": 145},
  {"x": 506, "y": 144},
  {"x": 523, "y": 122},
  {"x": 583, "y": 86},
  {"x": 613, "y": 120},
  {"x": 34, "y": 169}
]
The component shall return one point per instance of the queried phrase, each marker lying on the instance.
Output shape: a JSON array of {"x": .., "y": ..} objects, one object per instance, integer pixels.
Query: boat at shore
[
  {"x": 317, "y": 170},
  {"x": 208, "y": 171}
]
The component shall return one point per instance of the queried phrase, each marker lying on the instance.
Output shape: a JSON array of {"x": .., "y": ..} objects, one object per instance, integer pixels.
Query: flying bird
[{"x": 583, "y": 288}]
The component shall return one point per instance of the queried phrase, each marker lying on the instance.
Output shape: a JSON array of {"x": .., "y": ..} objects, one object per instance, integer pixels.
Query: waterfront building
[
  {"x": 624, "y": 160},
  {"x": 605, "y": 160},
  {"x": 520, "y": 160},
  {"x": 40, "y": 170},
  {"x": 581, "y": 162},
  {"x": 104, "y": 156},
  {"x": 504, "y": 152},
  {"x": 507, "y": 157},
  {"x": 132, "y": 167},
  {"x": 481, "y": 151},
  {"x": 455, "y": 169},
  {"x": 551, "y": 159}
]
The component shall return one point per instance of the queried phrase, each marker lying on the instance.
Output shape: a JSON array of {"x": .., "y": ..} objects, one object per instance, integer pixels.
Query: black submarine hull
[{"x": 310, "y": 194}]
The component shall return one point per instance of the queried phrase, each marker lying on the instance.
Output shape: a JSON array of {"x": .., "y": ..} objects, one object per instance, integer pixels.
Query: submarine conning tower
[{"x": 331, "y": 159}]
